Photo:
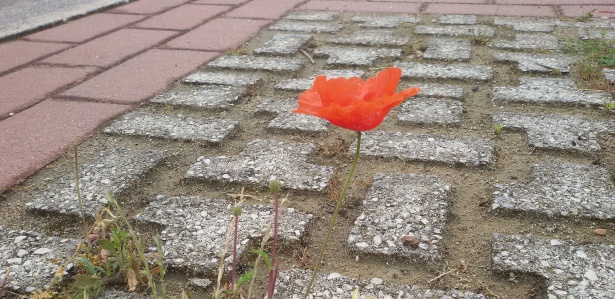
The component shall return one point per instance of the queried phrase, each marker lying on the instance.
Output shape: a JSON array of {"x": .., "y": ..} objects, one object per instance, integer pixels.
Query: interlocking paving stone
[
  {"x": 371, "y": 38},
  {"x": 529, "y": 41},
  {"x": 449, "y": 49},
  {"x": 303, "y": 26},
  {"x": 471, "y": 151},
  {"x": 385, "y": 21},
  {"x": 448, "y": 71},
  {"x": 438, "y": 90},
  {"x": 265, "y": 160},
  {"x": 302, "y": 84},
  {"x": 401, "y": 206},
  {"x": 526, "y": 24},
  {"x": 571, "y": 270},
  {"x": 546, "y": 63},
  {"x": 244, "y": 62},
  {"x": 224, "y": 78},
  {"x": 355, "y": 56},
  {"x": 312, "y": 16},
  {"x": 195, "y": 229},
  {"x": 206, "y": 96},
  {"x": 283, "y": 44},
  {"x": 205, "y": 129},
  {"x": 286, "y": 119},
  {"x": 561, "y": 189},
  {"x": 557, "y": 131},
  {"x": 113, "y": 170},
  {"x": 457, "y": 20},
  {"x": 31, "y": 258},
  {"x": 431, "y": 111},
  {"x": 609, "y": 75},
  {"x": 292, "y": 284},
  {"x": 549, "y": 90},
  {"x": 585, "y": 33},
  {"x": 456, "y": 30}
]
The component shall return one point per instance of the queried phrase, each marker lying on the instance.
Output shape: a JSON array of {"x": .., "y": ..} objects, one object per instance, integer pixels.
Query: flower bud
[
  {"x": 274, "y": 186},
  {"x": 237, "y": 211}
]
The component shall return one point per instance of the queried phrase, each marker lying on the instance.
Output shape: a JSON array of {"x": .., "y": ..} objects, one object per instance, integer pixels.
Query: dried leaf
[{"x": 131, "y": 276}]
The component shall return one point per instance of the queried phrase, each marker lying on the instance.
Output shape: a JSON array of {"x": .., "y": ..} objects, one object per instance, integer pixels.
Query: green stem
[{"x": 337, "y": 209}]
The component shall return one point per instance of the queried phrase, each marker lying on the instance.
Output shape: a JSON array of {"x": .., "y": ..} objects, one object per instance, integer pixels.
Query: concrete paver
[
  {"x": 16, "y": 53},
  {"x": 104, "y": 51},
  {"x": 141, "y": 77},
  {"x": 35, "y": 137},
  {"x": 16, "y": 89},
  {"x": 83, "y": 29},
  {"x": 183, "y": 17}
]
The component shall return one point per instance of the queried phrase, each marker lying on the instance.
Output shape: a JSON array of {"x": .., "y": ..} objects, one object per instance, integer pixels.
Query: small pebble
[
  {"x": 600, "y": 231},
  {"x": 410, "y": 241}
]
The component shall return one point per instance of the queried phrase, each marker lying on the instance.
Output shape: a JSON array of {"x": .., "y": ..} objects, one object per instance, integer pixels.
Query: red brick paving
[
  {"x": 16, "y": 53},
  {"x": 227, "y": 2},
  {"x": 85, "y": 28},
  {"x": 148, "y": 7},
  {"x": 104, "y": 51},
  {"x": 362, "y": 6},
  {"x": 37, "y": 136},
  {"x": 491, "y": 10},
  {"x": 581, "y": 10},
  {"x": 183, "y": 17},
  {"x": 219, "y": 35},
  {"x": 26, "y": 87},
  {"x": 264, "y": 9},
  {"x": 141, "y": 77}
]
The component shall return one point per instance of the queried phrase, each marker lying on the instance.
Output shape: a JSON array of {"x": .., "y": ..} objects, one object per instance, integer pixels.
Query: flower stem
[
  {"x": 337, "y": 209},
  {"x": 273, "y": 273}
]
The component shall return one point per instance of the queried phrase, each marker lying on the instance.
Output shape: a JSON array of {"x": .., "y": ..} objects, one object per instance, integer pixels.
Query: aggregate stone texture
[
  {"x": 205, "y": 129},
  {"x": 355, "y": 56},
  {"x": 456, "y": 30},
  {"x": 287, "y": 120},
  {"x": 262, "y": 161},
  {"x": 292, "y": 284},
  {"x": 609, "y": 75},
  {"x": 371, "y": 38},
  {"x": 195, "y": 229},
  {"x": 470, "y": 151},
  {"x": 448, "y": 71},
  {"x": 385, "y": 21},
  {"x": 283, "y": 44},
  {"x": 557, "y": 131},
  {"x": 571, "y": 270},
  {"x": 244, "y": 62},
  {"x": 525, "y": 41},
  {"x": 30, "y": 260},
  {"x": 115, "y": 294},
  {"x": 312, "y": 16},
  {"x": 527, "y": 24},
  {"x": 224, "y": 78},
  {"x": 448, "y": 49},
  {"x": 301, "y": 84},
  {"x": 585, "y": 33},
  {"x": 549, "y": 90},
  {"x": 398, "y": 207},
  {"x": 112, "y": 170},
  {"x": 457, "y": 20},
  {"x": 213, "y": 97},
  {"x": 431, "y": 111},
  {"x": 438, "y": 90},
  {"x": 306, "y": 26},
  {"x": 561, "y": 190},
  {"x": 544, "y": 63}
]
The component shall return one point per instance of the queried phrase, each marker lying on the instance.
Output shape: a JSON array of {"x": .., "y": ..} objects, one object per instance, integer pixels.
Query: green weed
[
  {"x": 609, "y": 106},
  {"x": 497, "y": 128},
  {"x": 594, "y": 55}
]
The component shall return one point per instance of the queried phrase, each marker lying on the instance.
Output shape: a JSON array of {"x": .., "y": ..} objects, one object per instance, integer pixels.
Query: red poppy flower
[{"x": 352, "y": 103}]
